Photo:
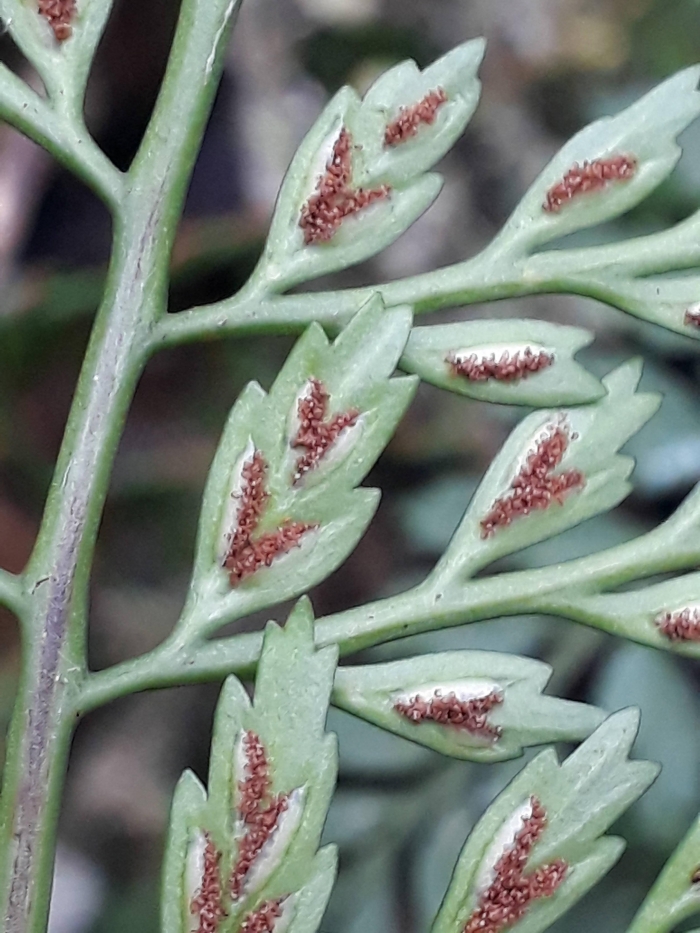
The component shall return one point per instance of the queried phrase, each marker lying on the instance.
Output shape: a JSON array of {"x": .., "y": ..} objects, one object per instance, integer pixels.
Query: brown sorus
[
  {"x": 507, "y": 368},
  {"x": 317, "y": 432},
  {"x": 681, "y": 625},
  {"x": 262, "y": 920},
  {"x": 335, "y": 198},
  {"x": 448, "y": 710},
  {"x": 508, "y": 897},
  {"x": 206, "y": 905},
  {"x": 536, "y": 485},
  {"x": 410, "y": 119},
  {"x": 258, "y": 808},
  {"x": 591, "y": 176},
  {"x": 248, "y": 552},
  {"x": 59, "y": 15}
]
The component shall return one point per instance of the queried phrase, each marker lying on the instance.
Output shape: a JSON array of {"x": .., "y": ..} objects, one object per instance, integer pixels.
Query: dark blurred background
[{"x": 402, "y": 812}]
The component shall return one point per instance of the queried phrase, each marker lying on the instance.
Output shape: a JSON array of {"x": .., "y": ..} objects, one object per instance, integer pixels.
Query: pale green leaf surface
[
  {"x": 288, "y": 715},
  {"x": 287, "y": 259},
  {"x": 663, "y": 301},
  {"x": 307, "y": 166},
  {"x": 597, "y": 432},
  {"x": 359, "y": 237},
  {"x": 526, "y": 716},
  {"x": 633, "y": 613},
  {"x": 647, "y": 131},
  {"x": 582, "y": 797},
  {"x": 63, "y": 65},
  {"x": 564, "y": 382},
  {"x": 355, "y": 371},
  {"x": 405, "y": 85},
  {"x": 188, "y": 810}
]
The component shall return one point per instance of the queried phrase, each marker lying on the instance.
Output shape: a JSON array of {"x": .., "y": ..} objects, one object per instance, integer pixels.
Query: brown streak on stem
[{"x": 107, "y": 387}]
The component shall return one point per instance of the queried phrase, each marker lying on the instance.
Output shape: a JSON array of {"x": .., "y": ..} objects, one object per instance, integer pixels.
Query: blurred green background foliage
[{"x": 402, "y": 812}]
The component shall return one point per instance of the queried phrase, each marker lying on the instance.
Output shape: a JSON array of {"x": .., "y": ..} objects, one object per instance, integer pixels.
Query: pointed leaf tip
[
  {"x": 282, "y": 509},
  {"x": 246, "y": 856},
  {"x": 545, "y": 830},
  {"x": 557, "y": 469},
  {"x": 608, "y": 167}
]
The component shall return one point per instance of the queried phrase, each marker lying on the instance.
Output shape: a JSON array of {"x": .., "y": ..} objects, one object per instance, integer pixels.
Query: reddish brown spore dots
[
  {"x": 591, "y": 176},
  {"x": 448, "y": 710},
  {"x": 508, "y": 367},
  {"x": 692, "y": 317},
  {"x": 335, "y": 198},
  {"x": 695, "y": 877},
  {"x": 59, "y": 15},
  {"x": 247, "y": 551},
  {"x": 317, "y": 432},
  {"x": 262, "y": 920},
  {"x": 682, "y": 625},
  {"x": 206, "y": 905},
  {"x": 258, "y": 809},
  {"x": 536, "y": 485},
  {"x": 512, "y": 890},
  {"x": 410, "y": 119}
]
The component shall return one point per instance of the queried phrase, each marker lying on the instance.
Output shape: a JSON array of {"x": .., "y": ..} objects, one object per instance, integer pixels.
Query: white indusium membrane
[
  {"x": 273, "y": 851},
  {"x": 503, "y": 841},
  {"x": 317, "y": 169},
  {"x": 194, "y": 874},
  {"x": 464, "y": 690},
  {"x": 229, "y": 520},
  {"x": 496, "y": 350}
]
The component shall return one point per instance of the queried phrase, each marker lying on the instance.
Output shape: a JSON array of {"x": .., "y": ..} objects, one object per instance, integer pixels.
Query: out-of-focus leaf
[{"x": 655, "y": 682}]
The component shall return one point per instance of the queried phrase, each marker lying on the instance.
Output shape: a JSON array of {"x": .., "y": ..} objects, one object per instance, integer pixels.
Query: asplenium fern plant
[{"x": 284, "y": 504}]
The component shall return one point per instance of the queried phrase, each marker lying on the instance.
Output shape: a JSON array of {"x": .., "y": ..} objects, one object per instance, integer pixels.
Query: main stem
[
  {"x": 56, "y": 582},
  {"x": 57, "y": 579}
]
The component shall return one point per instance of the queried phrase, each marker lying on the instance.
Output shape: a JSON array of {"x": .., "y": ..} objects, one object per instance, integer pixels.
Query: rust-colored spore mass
[
  {"x": 511, "y": 892},
  {"x": 692, "y": 317},
  {"x": 695, "y": 877},
  {"x": 247, "y": 553},
  {"x": 251, "y": 501},
  {"x": 410, "y": 119},
  {"x": 682, "y": 625},
  {"x": 335, "y": 198},
  {"x": 258, "y": 809},
  {"x": 448, "y": 710},
  {"x": 509, "y": 367},
  {"x": 206, "y": 905},
  {"x": 317, "y": 433},
  {"x": 262, "y": 920},
  {"x": 255, "y": 787},
  {"x": 59, "y": 15},
  {"x": 536, "y": 485},
  {"x": 591, "y": 176}
]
